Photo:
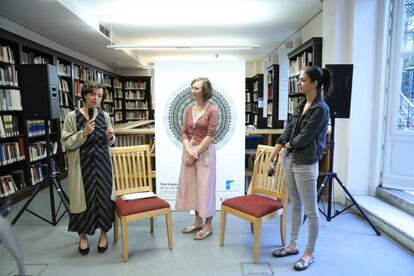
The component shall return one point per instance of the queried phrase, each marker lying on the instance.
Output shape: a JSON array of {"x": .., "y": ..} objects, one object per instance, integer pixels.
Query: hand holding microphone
[
  {"x": 271, "y": 167},
  {"x": 90, "y": 125}
]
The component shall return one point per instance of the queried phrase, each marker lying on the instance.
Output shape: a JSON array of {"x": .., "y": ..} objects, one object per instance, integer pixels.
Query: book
[{"x": 140, "y": 195}]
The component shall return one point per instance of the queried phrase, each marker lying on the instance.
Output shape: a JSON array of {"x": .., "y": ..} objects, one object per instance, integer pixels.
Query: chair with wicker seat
[
  {"x": 268, "y": 199},
  {"x": 132, "y": 174}
]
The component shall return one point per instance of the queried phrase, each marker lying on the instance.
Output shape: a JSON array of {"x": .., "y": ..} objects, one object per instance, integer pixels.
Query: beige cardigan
[{"x": 72, "y": 140}]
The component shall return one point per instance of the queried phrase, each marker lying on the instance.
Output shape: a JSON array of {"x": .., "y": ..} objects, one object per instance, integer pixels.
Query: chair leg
[
  {"x": 251, "y": 227},
  {"x": 152, "y": 225},
  {"x": 169, "y": 229},
  {"x": 256, "y": 248},
  {"x": 116, "y": 222},
  {"x": 223, "y": 219},
  {"x": 124, "y": 228},
  {"x": 283, "y": 229}
]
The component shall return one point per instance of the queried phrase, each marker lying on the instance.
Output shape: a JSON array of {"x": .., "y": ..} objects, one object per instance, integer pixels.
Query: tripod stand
[
  {"x": 328, "y": 183},
  {"x": 52, "y": 180}
]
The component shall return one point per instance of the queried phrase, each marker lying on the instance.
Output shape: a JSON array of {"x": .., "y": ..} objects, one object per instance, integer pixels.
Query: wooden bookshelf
[{"x": 25, "y": 152}]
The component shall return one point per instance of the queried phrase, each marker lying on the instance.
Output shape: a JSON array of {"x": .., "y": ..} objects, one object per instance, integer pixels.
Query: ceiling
[{"x": 178, "y": 23}]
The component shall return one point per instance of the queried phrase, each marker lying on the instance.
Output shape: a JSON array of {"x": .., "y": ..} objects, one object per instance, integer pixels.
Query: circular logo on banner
[{"x": 180, "y": 99}]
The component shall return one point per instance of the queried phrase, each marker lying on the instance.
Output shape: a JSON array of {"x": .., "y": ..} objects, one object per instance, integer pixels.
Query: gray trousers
[{"x": 301, "y": 185}]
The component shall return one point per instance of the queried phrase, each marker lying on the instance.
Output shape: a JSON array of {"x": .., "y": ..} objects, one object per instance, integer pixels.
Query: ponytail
[{"x": 323, "y": 77}]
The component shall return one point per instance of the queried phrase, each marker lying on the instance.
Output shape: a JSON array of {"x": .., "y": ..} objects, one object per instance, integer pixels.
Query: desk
[
  {"x": 133, "y": 124},
  {"x": 267, "y": 132}
]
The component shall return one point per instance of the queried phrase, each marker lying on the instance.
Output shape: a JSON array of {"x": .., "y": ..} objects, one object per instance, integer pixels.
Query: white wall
[
  {"x": 351, "y": 36},
  {"x": 35, "y": 37},
  {"x": 313, "y": 28}
]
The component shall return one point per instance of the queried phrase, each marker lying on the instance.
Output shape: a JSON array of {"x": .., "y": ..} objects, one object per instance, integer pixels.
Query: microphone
[
  {"x": 90, "y": 113},
  {"x": 271, "y": 171}
]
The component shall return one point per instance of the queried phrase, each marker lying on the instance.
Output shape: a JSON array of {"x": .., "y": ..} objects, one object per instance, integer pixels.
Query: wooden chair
[
  {"x": 268, "y": 199},
  {"x": 132, "y": 173}
]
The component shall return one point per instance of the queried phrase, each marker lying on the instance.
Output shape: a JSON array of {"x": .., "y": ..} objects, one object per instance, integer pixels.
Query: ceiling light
[{"x": 154, "y": 47}]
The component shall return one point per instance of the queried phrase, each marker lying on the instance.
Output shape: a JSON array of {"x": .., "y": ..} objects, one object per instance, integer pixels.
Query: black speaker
[
  {"x": 40, "y": 91},
  {"x": 339, "y": 101}
]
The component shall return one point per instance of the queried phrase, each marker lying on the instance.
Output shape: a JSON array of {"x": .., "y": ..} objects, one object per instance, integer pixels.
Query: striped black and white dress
[{"x": 97, "y": 180}]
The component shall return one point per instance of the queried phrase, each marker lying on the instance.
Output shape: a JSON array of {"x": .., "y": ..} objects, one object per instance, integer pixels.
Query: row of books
[
  {"x": 135, "y": 85},
  {"x": 118, "y": 104},
  {"x": 9, "y": 126},
  {"x": 136, "y": 105},
  {"x": 256, "y": 86},
  {"x": 117, "y": 84},
  {"x": 65, "y": 99},
  {"x": 31, "y": 58},
  {"x": 135, "y": 95},
  {"x": 118, "y": 116},
  {"x": 293, "y": 86},
  {"x": 119, "y": 94},
  {"x": 10, "y": 99},
  {"x": 9, "y": 184},
  {"x": 108, "y": 97},
  {"x": 109, "y": 108},
  {"x": 37, "y": 151},
  {"x": 63, "y": 69},
  {"x": 6, "y": 54},
  {"x": 12, "y": 152},
  {"x": 36, "y": 127},
  {"x": 270, "y": 92},
  {"x": 86, "y": 74},
  {"x": 295, "y": 66},
  {"x": 292, "y": 103},
  {"x": 8, "y": 76},
  {"x": 63, "y": 85}
]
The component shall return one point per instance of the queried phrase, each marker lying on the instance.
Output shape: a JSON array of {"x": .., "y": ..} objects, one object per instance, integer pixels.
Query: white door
[{"x": 398, "y": 167}]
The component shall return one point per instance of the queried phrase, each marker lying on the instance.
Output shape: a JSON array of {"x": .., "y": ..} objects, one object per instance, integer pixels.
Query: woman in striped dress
[{"x": 87, "y": 134}]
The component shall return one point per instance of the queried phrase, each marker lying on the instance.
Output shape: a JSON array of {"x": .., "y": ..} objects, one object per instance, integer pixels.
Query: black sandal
[
  {"x": 282, "y": 252},
  {"x": 302, "y": 264}
]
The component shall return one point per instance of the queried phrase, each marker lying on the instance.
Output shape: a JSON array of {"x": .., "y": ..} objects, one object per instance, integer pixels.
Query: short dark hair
[
  {"x": 324, "y": 78},
  {"x": 206, "y": 87},
  {"x": 89, "y": 86}
]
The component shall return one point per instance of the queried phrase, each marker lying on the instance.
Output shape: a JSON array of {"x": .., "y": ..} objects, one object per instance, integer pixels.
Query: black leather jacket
[{"x": 307, "y": 134}]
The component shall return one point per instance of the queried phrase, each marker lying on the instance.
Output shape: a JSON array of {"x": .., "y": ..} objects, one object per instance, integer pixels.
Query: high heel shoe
[
  {"x": 104, "y": 248},
  {"x": 84, "y": 251}
]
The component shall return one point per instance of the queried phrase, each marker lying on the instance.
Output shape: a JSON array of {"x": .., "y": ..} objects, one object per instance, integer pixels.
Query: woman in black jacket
[{"x": 303, "y": 141}]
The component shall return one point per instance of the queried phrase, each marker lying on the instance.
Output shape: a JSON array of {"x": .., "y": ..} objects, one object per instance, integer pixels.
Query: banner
[{"x": 172, "y": 85}]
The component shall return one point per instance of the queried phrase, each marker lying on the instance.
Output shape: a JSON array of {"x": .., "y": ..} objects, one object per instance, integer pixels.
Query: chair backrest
[
  {"x": 131, "y": 167},
  {"x": 274, "y": 186}
]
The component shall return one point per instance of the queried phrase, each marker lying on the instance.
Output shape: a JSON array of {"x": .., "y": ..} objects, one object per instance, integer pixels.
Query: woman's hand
[
  {"x": 109, "y": 133},
  {"x": 191, "y": 153},
  {"x": 89, "y": 128},
  {"x": 269, "y": 165}
]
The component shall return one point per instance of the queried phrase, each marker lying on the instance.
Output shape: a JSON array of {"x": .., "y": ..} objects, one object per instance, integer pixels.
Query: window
[{"x": 405, "y": 111}]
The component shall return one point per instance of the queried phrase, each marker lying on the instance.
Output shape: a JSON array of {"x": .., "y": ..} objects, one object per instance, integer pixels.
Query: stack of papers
[{"x": 134, "y": 196}]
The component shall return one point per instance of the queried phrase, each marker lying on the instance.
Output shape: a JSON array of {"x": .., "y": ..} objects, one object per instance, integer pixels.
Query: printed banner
[{"x": 172, "y": 84}]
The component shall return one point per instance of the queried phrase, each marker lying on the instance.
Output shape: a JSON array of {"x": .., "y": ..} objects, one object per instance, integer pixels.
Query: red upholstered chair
[
  {"x": 132, "y": 173},
  {"x": 268, "y": 199}
]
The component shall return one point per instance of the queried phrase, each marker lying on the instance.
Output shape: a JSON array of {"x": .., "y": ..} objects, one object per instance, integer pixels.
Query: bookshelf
[
  {"x": 137, "y": 99},
  {"x": 23, "y": 142},
  {"x": 13, "y": 176},
  {"x": 249, "y": 101},
  {"x": 307, "y": 54},
  {"x": 272, "y": 83},
  {"x": 254, "y": 102}
]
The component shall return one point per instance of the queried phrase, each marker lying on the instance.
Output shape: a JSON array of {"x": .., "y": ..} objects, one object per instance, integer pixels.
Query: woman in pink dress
[{"x": 197, "y": 183}]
